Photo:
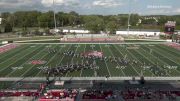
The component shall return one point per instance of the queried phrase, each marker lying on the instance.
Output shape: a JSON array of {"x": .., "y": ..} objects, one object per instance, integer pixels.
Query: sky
[{"x": 104, "y": 7}]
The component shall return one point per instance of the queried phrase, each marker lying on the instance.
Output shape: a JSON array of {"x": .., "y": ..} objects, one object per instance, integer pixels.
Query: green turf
[
  {"x": 58, "y": 41},
  {"x": 51, "y": 41},
  {"x": 157, "y": 56},
  {"x": 29, "y": 38}
]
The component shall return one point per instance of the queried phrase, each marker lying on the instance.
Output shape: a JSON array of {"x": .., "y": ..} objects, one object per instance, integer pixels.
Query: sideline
[{"x": 88, "y": 78}]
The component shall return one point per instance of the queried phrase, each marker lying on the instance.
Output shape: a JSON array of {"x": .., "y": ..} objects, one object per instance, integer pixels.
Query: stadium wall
[{"x": 145, "y": 33}]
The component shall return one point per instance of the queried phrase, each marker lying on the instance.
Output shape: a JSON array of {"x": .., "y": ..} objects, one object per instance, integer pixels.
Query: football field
[{"x": 151, "y": 60}]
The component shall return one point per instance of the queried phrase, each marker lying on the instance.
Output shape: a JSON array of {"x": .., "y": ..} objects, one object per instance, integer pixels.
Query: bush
[
  {"x": 162, "y": 36},
  {"x": 8, "y": 28}
]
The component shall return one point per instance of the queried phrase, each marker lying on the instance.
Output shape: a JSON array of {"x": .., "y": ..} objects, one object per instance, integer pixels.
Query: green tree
[
  {"x": 8, "y": 28},
  {"x": 112, "y": 26},
  {"x": 94, "y": 23}
]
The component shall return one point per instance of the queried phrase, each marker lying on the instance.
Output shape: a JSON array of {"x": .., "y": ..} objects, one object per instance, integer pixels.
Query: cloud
[
  {"x": 177, "y": 10},
  {"x": 16, "y": 3},
  {"x": 92, "y": 6},
  {"x": 159, "y": 11},
  {"x": 107, "y": 3},
  {"x": 48, "y": 3},
  {"x": 164, "y": 11}
]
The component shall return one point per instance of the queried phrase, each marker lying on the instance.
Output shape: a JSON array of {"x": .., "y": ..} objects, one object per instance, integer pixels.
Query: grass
[
  {"x": 158, "y": 56},
  {"x": 58, "y": 41},
  {"x": 50, "y": 41},
  {"x": 144, "y": 40},
  {"x": 30, "y": 38}
]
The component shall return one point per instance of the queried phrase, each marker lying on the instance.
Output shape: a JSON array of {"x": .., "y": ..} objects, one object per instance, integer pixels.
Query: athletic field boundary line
[
  {"x": 123, "y": 43},
  {"x": 5, "y": 45},
  {"x": 89, "y": 78},
  {"x": 38, "y": 40}
]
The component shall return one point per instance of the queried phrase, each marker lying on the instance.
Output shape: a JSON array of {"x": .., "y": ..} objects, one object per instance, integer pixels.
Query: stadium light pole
[
  {"x": 129, "y": 17},
  {"x": 0, "y": 21},
  {"x": 55, "y": 26},
  {"x": 129, "y": 23}
]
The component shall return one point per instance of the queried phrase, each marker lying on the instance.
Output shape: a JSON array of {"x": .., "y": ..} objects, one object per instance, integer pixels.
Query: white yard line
[
  {"x": 106, "y": 64},
  {"x": 73, "y": 57},
  {"x": 13, "y": 56},
  {"x": 168, "y": 59},
  {"x": 134, "y": 57},
  {"x": 16, "y": 60},
  {"x": 93, "y": 50},
  {"x": 151, "y": 61},
  {"x": 4, "y": 45},
  {"x": 64, "y": 55},
  {"x": 173, "y": 54},
  {"x": 167, "y": 48},
  {"x": 130, "y": 64},
  {"x": 116, "y": 62},
  {"x": 7, "y": 53},
  {"x": 61, "y": 58},
  {"x": 133, "y": 66},
  {"x": 49, "y": 61},
  {"x": 166, "y": 56},
  {"x": 25, "y": 62},
  {"x": 32, "y": 66},
  {"x": 83, "y": 60}
]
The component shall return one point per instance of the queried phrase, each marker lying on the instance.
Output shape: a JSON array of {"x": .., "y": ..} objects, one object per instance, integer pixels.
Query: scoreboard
[{"x": 170, "y": 27}]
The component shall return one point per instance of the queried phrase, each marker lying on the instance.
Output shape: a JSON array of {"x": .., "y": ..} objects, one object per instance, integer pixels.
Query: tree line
[{"x": 94, "y": 23}]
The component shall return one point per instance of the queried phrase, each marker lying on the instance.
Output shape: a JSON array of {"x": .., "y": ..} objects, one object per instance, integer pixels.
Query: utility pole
[
  {"x": 55, "y": 26},
  {"x": 0, "y": 21}
]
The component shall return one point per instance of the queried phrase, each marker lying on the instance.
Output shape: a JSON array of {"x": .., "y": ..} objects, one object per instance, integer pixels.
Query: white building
[
  {"x": 54, "y": 30},
  {"x": 139, "y": 32},
  {"x": 79, "y": 31}
]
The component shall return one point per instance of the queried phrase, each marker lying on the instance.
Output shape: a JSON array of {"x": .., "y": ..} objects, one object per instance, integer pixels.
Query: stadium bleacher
[
  {"x": 61, "y": 95},
  {"x": 92, "y": 38}
]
